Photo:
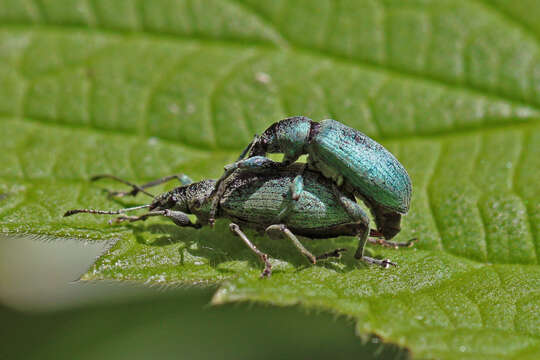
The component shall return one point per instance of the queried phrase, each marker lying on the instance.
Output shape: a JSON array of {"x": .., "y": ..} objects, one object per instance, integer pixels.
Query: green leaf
[{"x": 143, "y": 89}]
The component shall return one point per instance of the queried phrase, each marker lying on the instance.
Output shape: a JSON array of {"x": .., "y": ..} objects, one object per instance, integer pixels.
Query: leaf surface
[{"x": 147, "y": 89}]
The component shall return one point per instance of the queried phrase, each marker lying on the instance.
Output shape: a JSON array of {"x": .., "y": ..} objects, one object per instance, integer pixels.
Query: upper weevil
[
  {"x": 264, "y": 201},
  {"x": 347, "y": 156}
]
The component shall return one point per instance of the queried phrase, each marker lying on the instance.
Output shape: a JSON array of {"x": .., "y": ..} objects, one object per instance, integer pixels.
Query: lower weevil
[{"x": 264, "y": 201}]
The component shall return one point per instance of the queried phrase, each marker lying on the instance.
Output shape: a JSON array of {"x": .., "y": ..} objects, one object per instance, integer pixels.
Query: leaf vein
[
  {"x": 93, "y": 19},
  {"x": 481, "y": 217},
  {"x": 230, "y": 71},
  {"x": 524, "y": 140},
  {"x": 510, "y": 297},
  {"x": 280, "y": 37},
  {"x": 509, "y": 18},
  {"x": 428, "y": 190},
  {"x": 158, "y": 81}
]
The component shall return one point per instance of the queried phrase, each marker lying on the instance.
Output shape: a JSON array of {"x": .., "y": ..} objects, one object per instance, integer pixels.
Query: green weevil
[
  {"x": 289, "y": 201},
  {"x": 351, "y": 159}
]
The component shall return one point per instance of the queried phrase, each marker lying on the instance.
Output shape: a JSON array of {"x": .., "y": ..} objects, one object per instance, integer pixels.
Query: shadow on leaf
[{"x": 219, "y": 246}]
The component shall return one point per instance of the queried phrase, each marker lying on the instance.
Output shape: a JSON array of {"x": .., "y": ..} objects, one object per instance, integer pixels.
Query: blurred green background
[{"x": 45, "y": 315}]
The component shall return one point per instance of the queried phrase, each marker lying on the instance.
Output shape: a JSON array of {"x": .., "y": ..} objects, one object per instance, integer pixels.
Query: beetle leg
[
  {"x": 385, "y": 263},
  {"x": 354, "y": 210},
  {"x": 248, "y": 148},
  {"x": 142, "y": 217},
  {"x": 184, "y": 180},
  {"x": 336, "y": 253},
  {"x": 380, "y": 240},
  {"x": 358, "y": 214},
  {"x": 392, "y": 244},
  {"x": 363, "y": 237},
  {"x": 284, "y": 230},
  {"x": 297, "y": 187},
  {"x": 178, "y": 217},
  {"x": 264, "y": 258},
  {"x": 254, "y": 164},
  {"x": 136, "y": 188}
]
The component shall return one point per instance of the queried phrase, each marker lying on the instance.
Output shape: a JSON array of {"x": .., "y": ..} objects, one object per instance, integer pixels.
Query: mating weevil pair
[
  {"x": 277, "y": 197},
  {"x": 352, "y": 160}
]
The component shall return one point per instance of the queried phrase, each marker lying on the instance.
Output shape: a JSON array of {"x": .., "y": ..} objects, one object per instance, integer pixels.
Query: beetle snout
[
  {"x": 390, "y": 225},
  {"x": 390, "y": 232}
]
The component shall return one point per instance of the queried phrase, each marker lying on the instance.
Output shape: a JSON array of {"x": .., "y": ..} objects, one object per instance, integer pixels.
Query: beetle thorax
[{"x": 292, "y": 136}]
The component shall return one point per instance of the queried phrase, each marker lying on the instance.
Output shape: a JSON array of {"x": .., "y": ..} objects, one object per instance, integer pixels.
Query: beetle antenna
[
  {"x": 248, "y": 148},
  {"x": 104, "y": 212},
  {"x": 135, "y": 187}
]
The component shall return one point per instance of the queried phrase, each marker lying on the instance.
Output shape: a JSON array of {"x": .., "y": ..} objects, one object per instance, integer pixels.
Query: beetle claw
[
  {"x": 385, "y": 264},
  {"x": 411, "y": 242},
  {"x": 332, "y": 254},
  {"x": 267, "y": 272},
  {"x": 392, "y": 244}
]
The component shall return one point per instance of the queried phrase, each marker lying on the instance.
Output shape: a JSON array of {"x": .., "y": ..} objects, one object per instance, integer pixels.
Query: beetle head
[
  {"x": 187, "y": 198},
  {"x": 288, "y": 136},
  {"x": 388, "y": 224}
]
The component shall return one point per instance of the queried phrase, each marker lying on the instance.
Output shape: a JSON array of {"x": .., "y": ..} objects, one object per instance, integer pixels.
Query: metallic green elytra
[
  {"x": 348, "y": 157},
  {"x": 263, "y": 200}
]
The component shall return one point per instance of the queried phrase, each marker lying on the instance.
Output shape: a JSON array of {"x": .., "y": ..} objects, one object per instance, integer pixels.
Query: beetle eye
[{"x": 196, "y": 204}]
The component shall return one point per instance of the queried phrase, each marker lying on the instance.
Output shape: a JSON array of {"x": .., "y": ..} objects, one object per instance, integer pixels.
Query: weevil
[
  {"x": 351, "y": 159},
  {"x": 264, "y": 201}
]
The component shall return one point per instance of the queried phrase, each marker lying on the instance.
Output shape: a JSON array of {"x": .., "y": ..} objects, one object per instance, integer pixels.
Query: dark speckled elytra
[
  {"x": 287, "y": 200},
  {"x": 351, "y": 159}
]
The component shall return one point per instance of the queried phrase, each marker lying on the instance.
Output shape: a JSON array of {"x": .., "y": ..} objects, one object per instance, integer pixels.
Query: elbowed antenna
[
  {"x": 248, "y": 148},
  {"x": 136, "y": 188},
  {"x": 104, "y": 212}
]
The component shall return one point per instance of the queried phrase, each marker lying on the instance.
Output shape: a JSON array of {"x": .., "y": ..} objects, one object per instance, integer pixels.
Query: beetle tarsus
[
  {"x": 111, "y": 194},
  {"x": 392, "y": 244},
  {"x": 385, "y": 263},
  {"x": 124, "y": 218},
  {"x": 336, "y": 253},
  {"x": 267, "y": 272},
  {"x": 182, "y": 178},
  {"x": 135, "y": 188}
]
